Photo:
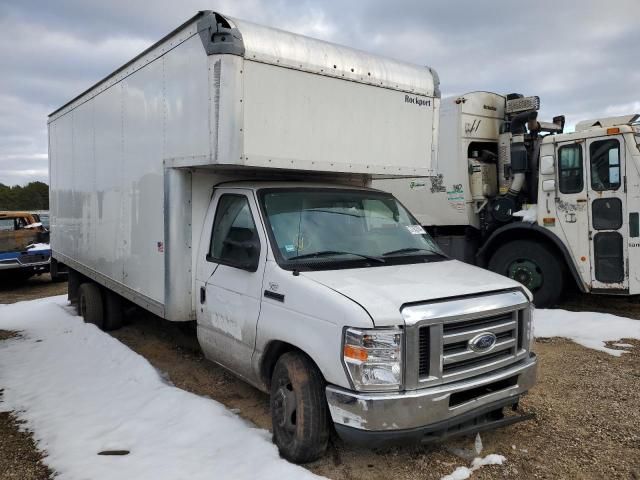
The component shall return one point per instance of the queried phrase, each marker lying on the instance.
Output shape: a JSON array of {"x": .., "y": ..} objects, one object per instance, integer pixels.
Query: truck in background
[
  {"x": 522, "y": 198},
  {"x": 221, "y": 177}
]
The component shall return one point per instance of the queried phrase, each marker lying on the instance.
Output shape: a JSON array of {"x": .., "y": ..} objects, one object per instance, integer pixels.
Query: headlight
[{"x": 374, "y": 358}]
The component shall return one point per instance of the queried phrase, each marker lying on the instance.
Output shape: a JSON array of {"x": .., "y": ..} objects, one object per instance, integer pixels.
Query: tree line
[{"x": 33, "y": 196}]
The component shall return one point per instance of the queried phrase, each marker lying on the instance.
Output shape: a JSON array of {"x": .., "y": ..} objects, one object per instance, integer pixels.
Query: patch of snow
[
  {"x": 622, "y": 345},
  {"x": 529, "y": 214},
  {"x": 462, "y": 473},
  {"x": 589, "y": 329},
  {"x": 39, "y": 246},
  {"x": 81, "y": 392}
]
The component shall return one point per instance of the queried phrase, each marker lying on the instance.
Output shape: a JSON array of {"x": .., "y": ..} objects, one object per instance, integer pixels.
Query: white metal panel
[
  {"x": 107, "y": 248},
  {"x": 186, "y": 93},
  {"x": 298, "y": 120},
  {"x": 143, "y": 182},
  {"x": 445, "y": 199},
  {"x": 83, "y": 183}
]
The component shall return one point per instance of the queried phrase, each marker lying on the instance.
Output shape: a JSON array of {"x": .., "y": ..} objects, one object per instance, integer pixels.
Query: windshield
[{"x": 342, "y": 228}]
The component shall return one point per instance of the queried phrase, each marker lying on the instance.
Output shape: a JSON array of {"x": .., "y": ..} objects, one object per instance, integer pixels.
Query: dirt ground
[
  {"x": 587, "y": 405},
  {"x": 36, "y": 287}
]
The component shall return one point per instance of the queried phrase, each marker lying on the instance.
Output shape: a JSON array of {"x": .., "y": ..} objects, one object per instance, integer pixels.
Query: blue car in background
[{"x": 24, "y": 246}]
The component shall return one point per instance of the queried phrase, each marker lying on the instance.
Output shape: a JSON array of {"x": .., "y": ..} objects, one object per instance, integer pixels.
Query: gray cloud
[{"x": 581, "y": 58}]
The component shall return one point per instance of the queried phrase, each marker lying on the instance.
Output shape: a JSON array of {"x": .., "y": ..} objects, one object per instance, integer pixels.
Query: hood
[{"x": 382, "y": 291}]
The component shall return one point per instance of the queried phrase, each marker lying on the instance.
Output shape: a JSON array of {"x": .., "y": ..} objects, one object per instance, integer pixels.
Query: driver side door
[{"x": 230, "y": 281}]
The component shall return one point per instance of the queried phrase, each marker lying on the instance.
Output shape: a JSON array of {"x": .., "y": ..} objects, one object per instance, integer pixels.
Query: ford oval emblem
[{"x": 483, "y": 342}]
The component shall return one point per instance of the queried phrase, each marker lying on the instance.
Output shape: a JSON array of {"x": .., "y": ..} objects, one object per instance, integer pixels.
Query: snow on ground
[
  {"x": 82, "y": 392},
  {"x": 589, "y": 329},
  {"x": 39, "y": 246},
  {"x": 463, "y": 473}
]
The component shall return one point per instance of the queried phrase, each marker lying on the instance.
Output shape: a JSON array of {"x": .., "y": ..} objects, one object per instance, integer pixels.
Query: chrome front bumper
[{"x": 421, "y": 409}]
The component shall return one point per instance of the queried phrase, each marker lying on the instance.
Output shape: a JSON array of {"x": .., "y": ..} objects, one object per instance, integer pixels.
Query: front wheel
[
  {"x": 533, "y": 265},
  {"x": 299, "y": 409}
]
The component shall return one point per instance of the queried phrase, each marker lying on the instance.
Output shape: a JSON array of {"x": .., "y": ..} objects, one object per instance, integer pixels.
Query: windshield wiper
[
  {"x": 412, "y": 250},
  {"x": 325, "y": 253}
]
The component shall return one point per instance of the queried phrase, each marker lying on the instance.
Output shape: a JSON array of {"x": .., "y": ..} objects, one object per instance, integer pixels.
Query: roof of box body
[{"x": 223, "y": 35}]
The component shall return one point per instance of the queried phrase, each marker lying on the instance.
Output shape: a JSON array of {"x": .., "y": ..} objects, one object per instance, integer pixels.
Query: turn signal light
[
  {"x": 613, "y": 131},
  {"x": 356, "y": 353}
]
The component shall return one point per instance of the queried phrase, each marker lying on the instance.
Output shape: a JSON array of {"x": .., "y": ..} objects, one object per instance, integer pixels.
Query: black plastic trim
[
  {"x": 274, "y": 296},
  {"x": 432, "y": 433},
  {"x": 218, "y": 36}
]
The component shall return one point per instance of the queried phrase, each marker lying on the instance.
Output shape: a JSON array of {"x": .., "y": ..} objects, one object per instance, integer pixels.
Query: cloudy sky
[{"x": 582, "y": 58}]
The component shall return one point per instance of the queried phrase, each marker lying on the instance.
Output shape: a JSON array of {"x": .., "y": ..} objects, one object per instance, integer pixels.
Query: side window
[
  {"x": 7, "y": 224},
  {"x": 234, "y": 238},
  {"x": 570, "y": 170},
  {"x": 605, "y": 165}
]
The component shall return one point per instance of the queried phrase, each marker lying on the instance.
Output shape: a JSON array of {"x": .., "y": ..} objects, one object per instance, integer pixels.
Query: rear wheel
[
  {"x": 533, "y": 265},
  {"x": 90, "y": 304},
  {"x": 298, "y": 409},
  {"x": 113, "y": 311}
]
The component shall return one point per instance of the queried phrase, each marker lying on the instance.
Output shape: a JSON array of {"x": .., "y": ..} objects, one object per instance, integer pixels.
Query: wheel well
[
  {"x": 275, "y": 349},
  {"x": 530, "y": 234}
]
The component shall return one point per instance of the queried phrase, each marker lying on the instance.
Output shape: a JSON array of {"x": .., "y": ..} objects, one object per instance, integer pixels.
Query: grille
[
  {"x": 32, "y": 258},
  {"x": 458, "y": 360},
  {"x": 423, "y": 368}
]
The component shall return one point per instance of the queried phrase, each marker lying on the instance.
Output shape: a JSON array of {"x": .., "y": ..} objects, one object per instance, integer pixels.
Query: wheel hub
[
  {"x": 527, "y": 273},
  {"x": 285, "y": 408}
]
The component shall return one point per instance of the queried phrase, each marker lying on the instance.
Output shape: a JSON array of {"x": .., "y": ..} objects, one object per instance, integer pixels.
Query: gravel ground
[{"x": 587, "y": 405}]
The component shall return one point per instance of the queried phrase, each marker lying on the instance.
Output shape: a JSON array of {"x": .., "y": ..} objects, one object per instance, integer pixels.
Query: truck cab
[
  {"x": 408, "y": 344},
  {"x": 588, "y": 197}
]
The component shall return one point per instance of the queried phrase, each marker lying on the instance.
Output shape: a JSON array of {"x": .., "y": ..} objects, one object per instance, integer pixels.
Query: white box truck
[
  {"x": 526, "y": 200},
  {"x": 222, "y": 176}
]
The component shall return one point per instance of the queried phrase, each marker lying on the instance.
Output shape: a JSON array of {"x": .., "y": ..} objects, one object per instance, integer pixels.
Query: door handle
[{"x": 203, "y": 295}]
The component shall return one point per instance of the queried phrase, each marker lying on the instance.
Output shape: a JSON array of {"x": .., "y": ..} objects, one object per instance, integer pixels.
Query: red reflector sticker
[{"x": 549, "y": 222}]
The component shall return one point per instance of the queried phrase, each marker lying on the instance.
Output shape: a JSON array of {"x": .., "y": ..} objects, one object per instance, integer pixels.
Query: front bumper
[{"x": 367, "y": 417}]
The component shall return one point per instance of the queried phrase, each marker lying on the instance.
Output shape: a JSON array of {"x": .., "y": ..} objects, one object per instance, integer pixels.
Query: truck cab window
[
  {"x": 234, "y": 237},
  {"x": 570, "y": 169},
  {"x": 605, "y": 165}
]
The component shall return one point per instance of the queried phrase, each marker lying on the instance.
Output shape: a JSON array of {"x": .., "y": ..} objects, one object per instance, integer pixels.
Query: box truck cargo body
[{"x": 222, "y": 177}]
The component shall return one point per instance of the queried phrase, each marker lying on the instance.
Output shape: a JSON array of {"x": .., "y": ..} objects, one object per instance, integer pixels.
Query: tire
[
  {"x": 535, "y": 266},
  {"x": 57, "y": 274},
  {"x": 74, "y": 280},
  {"x": 90, "y": 304},
  {"x": 299, "y": 409},
  {"x": 113, "y": 311}
]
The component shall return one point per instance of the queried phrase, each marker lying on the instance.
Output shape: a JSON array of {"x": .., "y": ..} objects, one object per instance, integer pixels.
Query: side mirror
[
  {"x": 547, "y": 165},
  {"x": 549, "y": 186}
]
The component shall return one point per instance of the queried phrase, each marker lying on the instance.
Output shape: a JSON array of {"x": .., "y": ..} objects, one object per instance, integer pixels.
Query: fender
[{"x": 533, "y": 231}]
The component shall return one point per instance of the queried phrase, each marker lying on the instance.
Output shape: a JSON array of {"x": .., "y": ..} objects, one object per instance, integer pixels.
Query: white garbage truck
[
  {"x": 522, "y": 198},
  {"x": 222, "y": 177}
]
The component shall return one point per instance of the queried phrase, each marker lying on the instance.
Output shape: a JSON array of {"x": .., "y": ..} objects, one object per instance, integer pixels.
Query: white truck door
[
  {"x": 608, "y": 225},
  {"x": 572, "y": 204},
  {"x": 229, "y": 281}
]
